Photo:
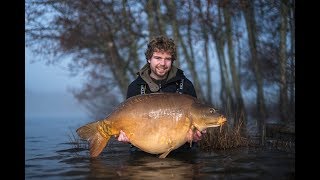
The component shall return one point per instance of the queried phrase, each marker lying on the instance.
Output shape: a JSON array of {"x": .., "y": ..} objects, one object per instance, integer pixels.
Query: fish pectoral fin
[{"x": 165, "y": 154}]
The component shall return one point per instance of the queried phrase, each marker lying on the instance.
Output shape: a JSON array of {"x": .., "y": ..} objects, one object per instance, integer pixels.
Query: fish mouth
[
  {"x": 214, "y": 125},
  {"x": 221, "y": 121}
]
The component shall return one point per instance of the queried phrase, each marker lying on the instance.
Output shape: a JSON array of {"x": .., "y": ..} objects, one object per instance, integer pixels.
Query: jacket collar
[{"x": 144, "y": 73}]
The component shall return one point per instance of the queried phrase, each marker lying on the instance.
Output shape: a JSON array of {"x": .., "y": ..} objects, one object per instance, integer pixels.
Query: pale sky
[
  {"x": 46, "y": 90},
  {"x": 47, "y": 78}
]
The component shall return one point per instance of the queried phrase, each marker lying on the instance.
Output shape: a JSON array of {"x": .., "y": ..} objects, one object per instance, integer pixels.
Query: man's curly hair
[{"x": 161, "y": 43}]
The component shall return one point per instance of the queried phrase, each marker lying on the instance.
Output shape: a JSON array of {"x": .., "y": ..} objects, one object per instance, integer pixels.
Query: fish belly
[
  {"x": 159, "y": 140},
  {"x": 155, "y": 122}
]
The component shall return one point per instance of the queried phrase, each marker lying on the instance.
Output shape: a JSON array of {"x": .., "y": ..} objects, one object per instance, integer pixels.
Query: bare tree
[
  {"x": 240, "y": 111},
  {"x": 248, "y": 10},
  {"x": 283, "y": 61}
]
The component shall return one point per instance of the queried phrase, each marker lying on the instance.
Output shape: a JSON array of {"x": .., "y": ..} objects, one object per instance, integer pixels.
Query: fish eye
[{"x": 212, "y": 110}]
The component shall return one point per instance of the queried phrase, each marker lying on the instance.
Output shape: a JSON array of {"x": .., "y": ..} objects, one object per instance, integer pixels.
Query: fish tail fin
[{"x": 91, "y": 133}]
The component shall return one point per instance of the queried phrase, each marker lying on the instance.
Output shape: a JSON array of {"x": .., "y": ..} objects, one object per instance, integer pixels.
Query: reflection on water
[
  {"x": 142, "y": 167},
  {"x": 60, "y": 159}
]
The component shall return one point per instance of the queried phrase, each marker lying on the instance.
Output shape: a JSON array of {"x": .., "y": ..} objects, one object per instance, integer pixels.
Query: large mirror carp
[{"x": 155, "y": 123}]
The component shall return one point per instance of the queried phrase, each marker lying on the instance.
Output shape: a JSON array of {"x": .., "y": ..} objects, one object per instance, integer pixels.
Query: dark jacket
[{"x": 171, "y": 84}]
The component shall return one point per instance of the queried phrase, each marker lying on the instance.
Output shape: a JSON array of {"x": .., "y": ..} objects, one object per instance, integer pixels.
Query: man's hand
[
  {"x": 123, "y": 137},
  {"x": 195, "y": 136}
]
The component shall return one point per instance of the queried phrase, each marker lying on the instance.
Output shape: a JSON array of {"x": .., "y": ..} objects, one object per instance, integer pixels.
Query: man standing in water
[{"x": 160, "y": 75}]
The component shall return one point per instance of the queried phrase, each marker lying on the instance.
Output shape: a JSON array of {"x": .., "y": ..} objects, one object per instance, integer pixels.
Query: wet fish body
[{"x": 155, "y": 123}]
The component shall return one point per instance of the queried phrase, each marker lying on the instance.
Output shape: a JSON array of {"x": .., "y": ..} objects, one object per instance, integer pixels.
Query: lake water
[{"x": 50, "y": 154}]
